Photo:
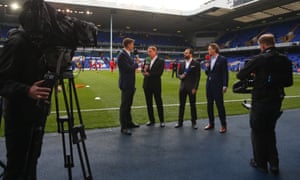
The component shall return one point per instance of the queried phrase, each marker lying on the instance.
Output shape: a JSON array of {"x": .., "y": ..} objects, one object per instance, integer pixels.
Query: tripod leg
[
  {"x": 80, "y": 131},
  {"x": 68, "y": 155}
]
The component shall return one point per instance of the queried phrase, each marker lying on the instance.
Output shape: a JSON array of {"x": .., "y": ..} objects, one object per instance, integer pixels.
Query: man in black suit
[
  {"x": 216, "y": 86},
  {"x": 127, "y": 68},
  {"x": 189, "y": 74},
  {"x": 152, "y": 86}
]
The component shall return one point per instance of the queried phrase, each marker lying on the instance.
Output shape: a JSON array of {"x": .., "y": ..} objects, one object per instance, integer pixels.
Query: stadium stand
[
  {"x": 143, "y": 39},
  {"x": 284, "y": 32}
]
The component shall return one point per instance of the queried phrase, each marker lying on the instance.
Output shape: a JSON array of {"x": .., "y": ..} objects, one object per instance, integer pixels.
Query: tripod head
[{"x": 58, "y": 60}]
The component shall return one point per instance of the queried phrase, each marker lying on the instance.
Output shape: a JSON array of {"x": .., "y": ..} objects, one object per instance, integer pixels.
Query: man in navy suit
[
  {"x": 189, "y": 74},
  {"x": 216, "y": 86},
  {"x": 127, "y": 69},
  {"x": 152, "y": 72}
]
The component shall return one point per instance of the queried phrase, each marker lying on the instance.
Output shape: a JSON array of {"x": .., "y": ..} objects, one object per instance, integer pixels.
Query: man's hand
[
  {"x": 207, "y": 65},
  {"x": 224, "y": 90},
  {"x": 182, "y": 76},
  {"x": 37, "y": 92},
  {"x": 137, "y": 60},
  {"x": 146, "y": 73},
  {"x": 194, "y": 91}
]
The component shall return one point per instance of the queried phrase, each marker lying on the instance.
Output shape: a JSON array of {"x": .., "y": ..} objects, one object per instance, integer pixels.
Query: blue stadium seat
[{"x": 239, "y": 38}]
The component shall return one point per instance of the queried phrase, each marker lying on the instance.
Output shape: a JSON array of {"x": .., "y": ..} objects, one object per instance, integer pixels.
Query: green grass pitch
[{"x": 104, "y": 113}]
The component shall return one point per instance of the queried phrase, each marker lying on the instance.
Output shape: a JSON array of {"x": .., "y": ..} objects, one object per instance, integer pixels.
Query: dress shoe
[
  {"x": 209, "y": 127},
  {"x": 150, "y": 123},
  {"x": 274, "y": 170},
  {"x": 162, "y": 125},
  {"x": 194, "y": 126},
  {"x": 253, "y": 164},
  {"x": 132, "y": 125},
  {"x": 223, "y": 130},
  {"x": 178, "y": 125},
  {"x": 126, "y": 132}
]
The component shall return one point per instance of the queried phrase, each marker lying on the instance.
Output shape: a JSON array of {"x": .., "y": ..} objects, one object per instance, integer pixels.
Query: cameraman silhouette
[
  {"x": 22, "y": 69},
  {"x": 271, "y": 72},
  {"x": 21, "y": 73}
]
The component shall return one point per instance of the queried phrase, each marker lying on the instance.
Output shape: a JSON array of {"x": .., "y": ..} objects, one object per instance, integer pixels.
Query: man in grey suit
[{"x": 127, "y": 69}]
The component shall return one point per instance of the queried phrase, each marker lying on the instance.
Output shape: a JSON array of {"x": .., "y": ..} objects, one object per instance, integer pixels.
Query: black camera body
[
  {"x": 47, "y": 27},
  {"x": 243, "y": 86}
]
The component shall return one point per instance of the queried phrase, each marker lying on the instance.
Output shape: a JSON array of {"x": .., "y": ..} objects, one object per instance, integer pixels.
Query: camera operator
[
  {"x": 266, "y": 103},
  {"x": 21, "y": 74}
]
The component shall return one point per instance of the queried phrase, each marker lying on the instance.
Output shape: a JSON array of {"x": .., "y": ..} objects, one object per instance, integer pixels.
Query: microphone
[
  {"x": 207, "y": 57},
  {"x": 147, "y": 64},
  {"x": 136, "y": 53},
  {"x": 207, "y": 61},
  {"x": 147, "y": 60}
]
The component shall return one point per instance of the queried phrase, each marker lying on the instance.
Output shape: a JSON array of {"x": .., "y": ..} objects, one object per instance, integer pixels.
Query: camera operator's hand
[
  {"x": 37, "y": 92},
  {"x": 224, "y": 90}
]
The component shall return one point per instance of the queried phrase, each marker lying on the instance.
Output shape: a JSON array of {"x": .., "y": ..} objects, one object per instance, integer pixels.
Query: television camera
[{"x": 57, "y": 36}]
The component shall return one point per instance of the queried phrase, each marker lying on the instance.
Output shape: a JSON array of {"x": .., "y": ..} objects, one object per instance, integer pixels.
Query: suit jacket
[
  {"x": 192, "y": 78},
  {"x": 217, "y": 78},
  {"x": 127, "y": 69},
  {"x": 154, "y": 79}
]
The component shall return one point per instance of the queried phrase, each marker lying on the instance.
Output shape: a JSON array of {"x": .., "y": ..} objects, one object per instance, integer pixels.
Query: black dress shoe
[
  {"x": 178, "y": 125},
  {"x": 150, "y": 123},
  {"x": 126, "y": 132},
  {"x": 162, "y": 125},
  {"x": 254, "y": 164},
  {"x": 274, "y": 170},
  {"x": 132, "y": 125},
  {"x": 194, "y": 126}
]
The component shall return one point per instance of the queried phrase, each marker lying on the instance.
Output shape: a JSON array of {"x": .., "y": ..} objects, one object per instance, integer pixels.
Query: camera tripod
[{"x": 71, "y": 133}]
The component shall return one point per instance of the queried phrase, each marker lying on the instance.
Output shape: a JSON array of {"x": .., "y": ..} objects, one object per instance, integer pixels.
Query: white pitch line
[{"x": 165, "y": 105}]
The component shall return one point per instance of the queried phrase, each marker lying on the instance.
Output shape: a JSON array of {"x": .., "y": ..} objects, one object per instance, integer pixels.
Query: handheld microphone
[
  {"x": 147, "y": 60},
  {"x": 207, "y": 57},
  {"x": 136, "y": 53}
]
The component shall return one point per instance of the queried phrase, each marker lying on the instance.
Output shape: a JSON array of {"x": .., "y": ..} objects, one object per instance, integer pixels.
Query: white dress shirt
[
  {"x": 213, "y": 61},
  {"x": 187, "y": 63},
  {"x": 153, "y": 61}
]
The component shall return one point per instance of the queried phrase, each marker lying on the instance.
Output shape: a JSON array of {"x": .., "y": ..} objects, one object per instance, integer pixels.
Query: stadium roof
[
  {"x": 211, "y": 16},
  {"x": 186, "y": 7}
]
